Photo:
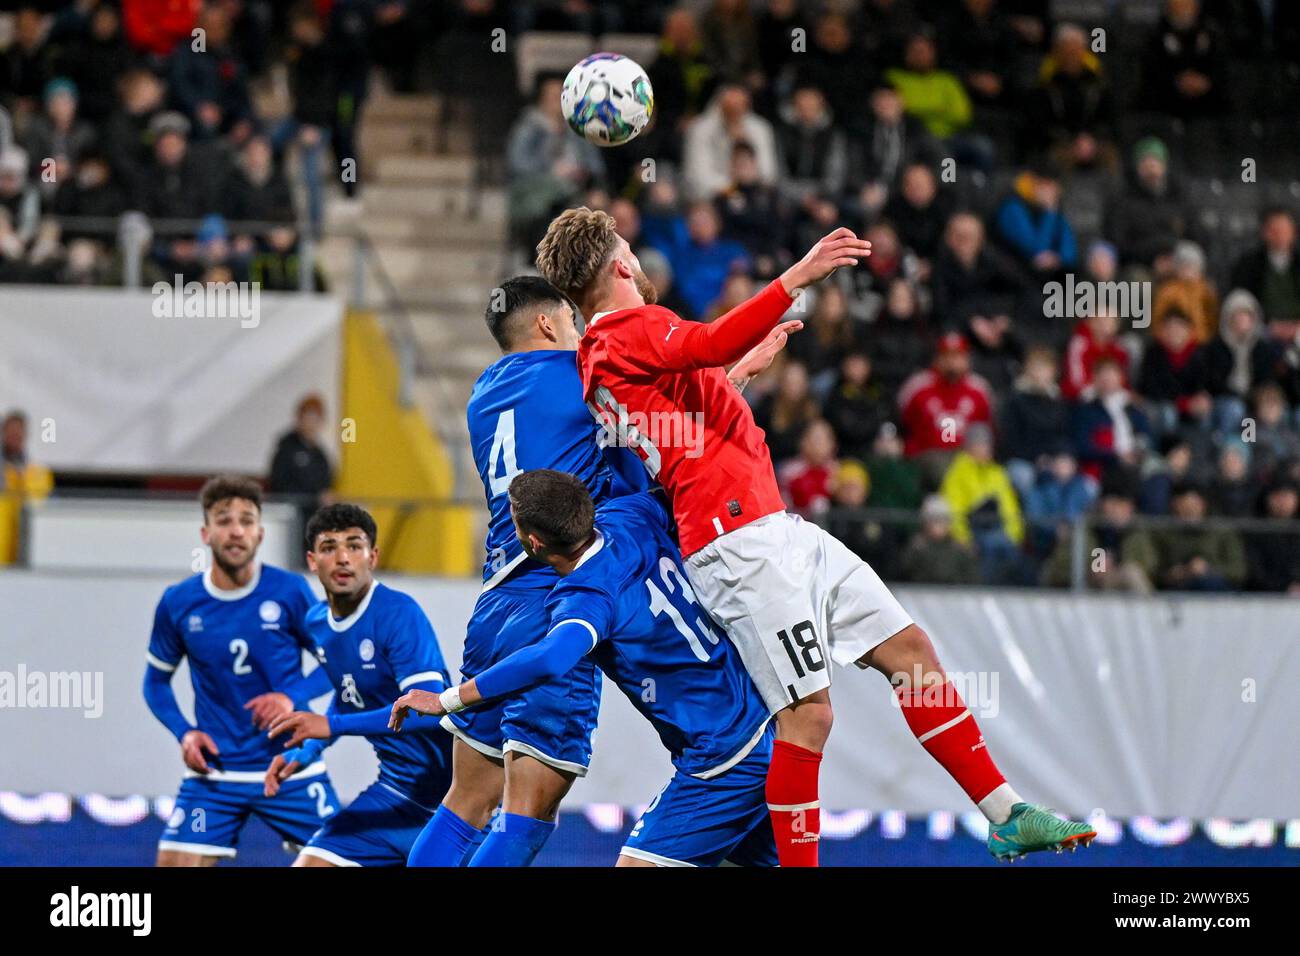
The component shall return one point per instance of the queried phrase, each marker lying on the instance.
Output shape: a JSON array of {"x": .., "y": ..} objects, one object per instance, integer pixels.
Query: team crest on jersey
[
  {"x": 366, "y": 649},
  {"x": 195, "y": 623},
  {"x": 350, "y": 694},
  {"x": 269, "y": 611}
]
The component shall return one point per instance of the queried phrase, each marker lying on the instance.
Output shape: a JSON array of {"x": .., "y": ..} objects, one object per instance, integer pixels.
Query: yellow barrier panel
[{"x": 390, "y": 453}]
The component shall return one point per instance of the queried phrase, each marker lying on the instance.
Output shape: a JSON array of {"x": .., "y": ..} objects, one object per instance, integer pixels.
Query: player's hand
[
  {"x": 415, "y": 701},
  {"x": 276, "y": 774},
  {"x": 301, "y": 725},
  {"x": 839, "y": 248},
  {"x": 761, "y": 355},
  {"x": 268, "y": 707},
  {"x": 193, "y": 746}
]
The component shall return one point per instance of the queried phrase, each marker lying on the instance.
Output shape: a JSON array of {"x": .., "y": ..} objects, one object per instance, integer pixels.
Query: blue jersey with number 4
[
  {"x": 527, "y": 412},
  {"x": 651, "y": 637},
  {"x": 240, "y": 644}
]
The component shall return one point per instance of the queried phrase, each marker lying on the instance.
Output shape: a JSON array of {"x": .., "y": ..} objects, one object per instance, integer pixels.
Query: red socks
[
  {"x": 947, "y": 730},
  {"x": 792, "y": 802}
]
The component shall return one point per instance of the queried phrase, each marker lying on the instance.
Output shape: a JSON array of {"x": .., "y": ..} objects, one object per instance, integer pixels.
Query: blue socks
[
  {"x": 446, "y": 840},
  {"x": 513, "y": 840}
]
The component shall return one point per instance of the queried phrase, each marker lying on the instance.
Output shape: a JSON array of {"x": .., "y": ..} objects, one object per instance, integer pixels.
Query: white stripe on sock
[{"x": 942, "y": 727}]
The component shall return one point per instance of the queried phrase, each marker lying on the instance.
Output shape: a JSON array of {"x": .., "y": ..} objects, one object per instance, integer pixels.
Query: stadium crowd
[{"x": 988, "y": 150}]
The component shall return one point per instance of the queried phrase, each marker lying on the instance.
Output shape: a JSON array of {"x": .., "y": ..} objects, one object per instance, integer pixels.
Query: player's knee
[
  {"x": 474, "y": 805},
  {"x": 807, "y": 724}
]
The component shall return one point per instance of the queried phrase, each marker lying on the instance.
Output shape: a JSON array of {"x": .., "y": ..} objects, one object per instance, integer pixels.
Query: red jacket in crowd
[{"x": 937, "y": 411}]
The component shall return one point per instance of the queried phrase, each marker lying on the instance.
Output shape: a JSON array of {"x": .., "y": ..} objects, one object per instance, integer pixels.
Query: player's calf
[{"x": 178, "y": 858}]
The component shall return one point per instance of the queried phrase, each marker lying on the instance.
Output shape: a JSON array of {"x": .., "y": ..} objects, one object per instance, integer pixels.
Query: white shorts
[{"x": 787, "y": 593}]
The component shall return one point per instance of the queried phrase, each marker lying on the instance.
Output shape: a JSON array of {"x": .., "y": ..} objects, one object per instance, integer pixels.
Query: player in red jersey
[{"x": 791, "y": 597}]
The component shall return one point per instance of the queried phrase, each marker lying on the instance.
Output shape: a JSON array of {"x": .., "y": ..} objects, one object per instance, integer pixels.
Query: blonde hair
[{"x": 577, "y": 244}]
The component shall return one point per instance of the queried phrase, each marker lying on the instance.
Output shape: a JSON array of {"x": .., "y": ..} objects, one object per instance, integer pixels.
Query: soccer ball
[{"x": 607, "y": 99}]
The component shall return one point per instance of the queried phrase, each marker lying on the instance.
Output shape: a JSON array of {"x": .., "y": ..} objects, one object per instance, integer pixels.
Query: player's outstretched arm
[
  {"x": 761, "y": 355},
  {"x": 836, "y": 249}
]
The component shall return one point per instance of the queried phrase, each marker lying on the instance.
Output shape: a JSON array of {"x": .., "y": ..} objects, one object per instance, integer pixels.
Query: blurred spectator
[
  {"x": 1033, "y": 227},
  {"x": 28, "y": 63},
  {"x": 777, "y": 21},
  {"x": 934, "y": 555},
  {"x": 895, "y": 480},
  {"x": 1173, "y": 377},
  {"x": 899, "y": 339},
  {"x": 857, "y": 406},
  {"x": 175, "y": 186},
  {"x": 1034, "y": 420},
  {"x": 1239, "y": 359},
  {"x": 1127, "y": 560},
  {"x": 26, "y": 242},
  {"x": 933, "y": 95},
  {"x": 700, "y": 257},
  {"x": 92, "y": 193},
  {"x": 985, "y": 508},
  {"x": 879, "y": 543},
  {"x": 209, "y": 82},
  {"x": 807, "y": 480},
  {"x": 1094, "y": 339},
  {"x": 1277, "y": 438},
  {"x": 58, "y": 135},
  {"x": 829, "y": 334},
  {"x": 811, "y": 153},
  {"x": 1059, "y": 495},
  {"x": 1273, "y": 554},
  {"x": 919, "y": 213},
  {"x": 1161, "y": 475},
  {"x": 939, "y": 404},
  {"x": 710, "y": 138},
  {"x": 299, "y": 466},
  {"x": 22, "y": 476},
  {"x": 258, "y": 191},
  {"x": 972, "y": 279},
  {"x": 1271, "y": 272},
  {"x": 754, "y": 214},
  {"x": 996, "y": 350},
  {"x": 731, "y": 41},
  {"x": 95, "y": 59},
  {"x": 836, "y": 66},
  {"x": 127, "y": 138},
  {"x": 1194, "y": 556},
  {"x": 682, "y": 78},
  {"x": 787, "y": 412},
  {"x": 1231, "y": 492},
  {"x": 1184, "y": 62},
  {"x": 1149, "y": 216},
  {"x": 548, "y": 166},
  {"x": 1110, "y": 430},
  {"x": 657, "y": 269},
  {"x": 889, "y": 140},
  {"x": 1071, "y": 112},
  {"x": 1188, "y": 291},
  {"x": 156, "y": 26},
  {"x": 981, "y": 45},
  {"x": 313, "y": 81}
]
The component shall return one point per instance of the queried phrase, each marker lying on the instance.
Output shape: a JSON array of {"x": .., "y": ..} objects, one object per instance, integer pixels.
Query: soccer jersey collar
[
  {"x": 592, "y": 551},
  {"x": 223, "y": 595},
  {"x": 347, "y": 622},
  {"x": 597, "y": 316}
]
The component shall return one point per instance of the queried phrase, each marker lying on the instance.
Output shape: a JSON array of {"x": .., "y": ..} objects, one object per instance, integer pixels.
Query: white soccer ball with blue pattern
[{"x": 607, "y": 99}]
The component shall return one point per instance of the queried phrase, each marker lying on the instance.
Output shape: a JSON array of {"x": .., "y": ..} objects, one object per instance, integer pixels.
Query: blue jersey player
[
  {"x": 374, "y": 643},
  {"x": 625, "y": 604},
  {"x": 241, "y": 626}
]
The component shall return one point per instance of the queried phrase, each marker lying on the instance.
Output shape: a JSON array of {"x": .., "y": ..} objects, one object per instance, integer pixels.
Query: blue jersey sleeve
[
  {"x": 412, "y": 650},
  {"x": 166, "y": 646},
  {"x": 589, "y": 605}
]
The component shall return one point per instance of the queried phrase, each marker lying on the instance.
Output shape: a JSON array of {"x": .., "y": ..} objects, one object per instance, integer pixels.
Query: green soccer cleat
[{"x": 1031, "y": 828}]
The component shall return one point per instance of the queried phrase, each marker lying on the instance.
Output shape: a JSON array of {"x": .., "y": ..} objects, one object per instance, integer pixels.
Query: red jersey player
[{"x": 791, "y": 597}]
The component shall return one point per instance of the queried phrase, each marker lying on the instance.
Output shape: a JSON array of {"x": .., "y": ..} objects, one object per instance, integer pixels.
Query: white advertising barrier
[
  {"x": 110, "y": 384},
  {"x": 1132, "y": 706}
]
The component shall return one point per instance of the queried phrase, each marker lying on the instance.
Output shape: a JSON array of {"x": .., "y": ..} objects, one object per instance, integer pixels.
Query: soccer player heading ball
[{"x": 790, "y": 596}]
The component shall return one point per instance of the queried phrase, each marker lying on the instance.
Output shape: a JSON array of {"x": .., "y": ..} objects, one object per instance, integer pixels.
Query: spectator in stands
[
  {"x": 857, "y": 406},
  {"x": 58, "y": 135},
  {"x": 313, "y": 82},
  {"x": 700, "y": 257},
  {"x": 155, "y": 27},
  {"x": 828, "y": 336},
  {"x": 807, "y": 480},
  {"x": 26, "y": 244},
  {"x": 933, "y": 95},
  {"x": 870, "y": 286},
  {"x": 1031, "y": 224},
  {"x": 939, "y": 404},
  {"x": 1059, "y": 496},
  {"x": 996, "y": 350},
  {"x": 1276, "y": 437},
  {"x": 1160, "y": 475},
  {"x": 1173, "y": 377},
  {"x": 737, "y": 289},
  {"x": 1110, "y": 430},
  {"x": 811, "y": 153},
  {"x": 920, "y": 213},
  {"x": 971, "y": 279},
  {"x": 777, "y": 20},
  {"x": 548, "y": 166},
  {"x": 895, "y": 480},
  {"x": 1149, "y": 216},
  {"x": 1101, "y": 264},
  {"x": 682, "y": 78},
  {"x": 1033, "y": 425},
  {"x": 1128, "y": 559},
  {"x": 209, "y": 83},
  {"x": 886, "y": 26},
  {"x": 835, "y": 64},
  {"x": 299, "y": 467},
  {"x": 95, "y": 59},
  {"x": 1188, "y": 291},
  {"x": 659, "y": 271},
  {"x": 985, "y": 509},
  {"x": 755, "y": 214},
  {"x": 730, "y": 37},
  {"x": 1239, "y": 359},
  {"x": 934, "y": 555},
  {"x": 981, "y": 45},
  {"x": 1271, "y": 272},
  {"x": 879, "y": 543},
  {"x": 711, "y": 137},
  {"x": 1184, "y": 63},
  {"x": 176, "y": 186},
  {"x": 787, "y": 412},
  {"x": 22, "y": 476},
  {"x": 127, "y": 139},
  {"x": 889, "y": 141},
  {"x": 1071, "y": 112},
  {"x": 1273, "y": 554},
  {"x": 259, "y": 192},
  {"x": 28, "y": 63},
  {"x": 1194, "y": 556},
  {"x": 1094, "y": 338},
  {"x": 1232, "y": 492},
  {"x": 92, "y": 193}
]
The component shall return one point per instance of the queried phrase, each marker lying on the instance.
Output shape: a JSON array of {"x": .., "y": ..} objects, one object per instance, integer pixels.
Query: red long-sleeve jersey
[{"x": 656, "y": 381}]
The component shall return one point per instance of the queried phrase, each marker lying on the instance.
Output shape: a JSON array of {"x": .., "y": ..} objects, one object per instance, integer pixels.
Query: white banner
[
  {"x": 1167, "y": 708},
  {"x": 109, "y": 384}
]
